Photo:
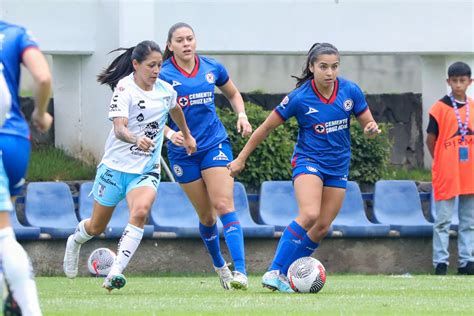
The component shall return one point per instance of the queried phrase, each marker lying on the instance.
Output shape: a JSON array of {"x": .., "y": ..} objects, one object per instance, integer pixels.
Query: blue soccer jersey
[
  {"x": 14, "y": 41},
  {"x": 196, "y": 98},
  {"x": 324, "y": 135}
]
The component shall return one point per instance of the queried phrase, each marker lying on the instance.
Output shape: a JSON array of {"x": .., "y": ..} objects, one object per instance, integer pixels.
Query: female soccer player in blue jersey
[
  {"x": 322, "y": 104},
  {"x": 130, "y": 167},
  {"x": 17, "y": 46},
  {"x": 203, "y": 176}
]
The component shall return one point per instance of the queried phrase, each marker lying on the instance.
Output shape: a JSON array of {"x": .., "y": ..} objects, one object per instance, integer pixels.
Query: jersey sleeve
[
  {"x": 288, "y": 106},
  {"x": 173, "y": 99},
  {"x": 26, "y": 40},
  {"x": 222, "y": 75},
  {"x": 119, "y": 105},
  {"x": 360, "y": 104}
]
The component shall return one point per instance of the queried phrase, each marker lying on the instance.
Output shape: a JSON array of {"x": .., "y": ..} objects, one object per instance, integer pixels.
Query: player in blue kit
[
  {"x": 203, "y": 175},
  {"x": 130, "y": 167},
  {"x": 323, "y": 105},
  {"x": 17, "y": 46}
]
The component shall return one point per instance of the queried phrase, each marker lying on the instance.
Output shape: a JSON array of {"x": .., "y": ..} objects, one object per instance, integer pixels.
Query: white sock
[
  {"x": 19, "y": 273},
  {"x": 128, "y": 244},
  {"x": 80, "y": 235}
]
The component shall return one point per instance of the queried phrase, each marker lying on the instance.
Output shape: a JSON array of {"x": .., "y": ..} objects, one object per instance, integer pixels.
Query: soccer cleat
[
  {"x": 239, "y": 281},
  {"x": 225, "y": 276},
  {"x": 114, "y": 282},
  {"x": 270, "y": 280},
  {"x": 284, "y": 284},
  {"x": 71, "y": 257}
]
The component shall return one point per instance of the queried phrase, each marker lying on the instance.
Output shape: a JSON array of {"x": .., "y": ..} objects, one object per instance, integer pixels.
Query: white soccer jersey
[{"x": 147, "y": 112}]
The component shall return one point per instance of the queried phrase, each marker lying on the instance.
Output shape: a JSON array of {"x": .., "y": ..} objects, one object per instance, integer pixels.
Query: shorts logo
[
  {"x": 312, "y": 169},
  {"x": 210, "y": 77},
  {"x": 178, "y": 171},
  {"x": 348, "y": 104},
  {"x": 320, "y": 128},
  {"x": 220, "y": 156},
  {"x": 183, "y": 101},
  {"x": 101, "y": 190}
]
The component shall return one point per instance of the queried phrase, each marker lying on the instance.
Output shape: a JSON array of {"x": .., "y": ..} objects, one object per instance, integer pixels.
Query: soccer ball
[
  {"x": 100, "y": 261},
  {"x": 307, "y": 275}
]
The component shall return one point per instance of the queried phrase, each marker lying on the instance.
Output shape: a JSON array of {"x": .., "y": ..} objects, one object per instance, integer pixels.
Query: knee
[
  {"x": 139, "y": 215},
  {"x": 208, "y": 219},
  {"x": 222, "y": 206},
  {"x": 308, "y": 219}
]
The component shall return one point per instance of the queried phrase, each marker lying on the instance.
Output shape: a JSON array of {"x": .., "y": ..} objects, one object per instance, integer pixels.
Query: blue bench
[
  {"x": 49, "y": 206},
  {"x": 397, "y": 203},
  {"x": 352, "y": 220},
  {"x": 23, "y": 232}
]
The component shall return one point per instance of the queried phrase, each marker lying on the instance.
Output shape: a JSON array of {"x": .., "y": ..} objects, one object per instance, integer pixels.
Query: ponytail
[{"x": 122, "y": 66}]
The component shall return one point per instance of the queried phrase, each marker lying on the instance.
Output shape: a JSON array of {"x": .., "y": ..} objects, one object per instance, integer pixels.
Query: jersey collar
[
  {"x": 193, "y": 73},
  {"x": 321, "y": 97}
]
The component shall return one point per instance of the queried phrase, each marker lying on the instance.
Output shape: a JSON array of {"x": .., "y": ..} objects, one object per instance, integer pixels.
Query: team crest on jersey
[
  {"x": 348, "y": 104},
  {"x": 151, "y": 130},
  {"x": 320, "y": 128},
  {"x": 178, "y": 171},
  {"x": 210, "y": 77},
  {"x": 183, "y": 101}
]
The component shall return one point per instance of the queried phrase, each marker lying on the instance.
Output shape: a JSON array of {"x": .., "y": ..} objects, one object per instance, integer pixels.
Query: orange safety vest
[{"x": 450, "y": 176}]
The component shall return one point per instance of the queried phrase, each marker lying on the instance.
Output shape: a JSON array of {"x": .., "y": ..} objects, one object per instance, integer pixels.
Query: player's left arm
[
  {"x": 177, "y": 116},
  {"x": 366, "y": 120},
  {"x": 235, "y": 98},
  {"x": 36, "y": 64}
]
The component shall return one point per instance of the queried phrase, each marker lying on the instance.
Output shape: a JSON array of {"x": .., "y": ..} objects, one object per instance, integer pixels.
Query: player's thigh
[
  {"x": 331, "y": 203},
  {"x": 141, "y": 193},
  {"x": 308, "y": 193},
  {"x": 220, "y": 188},
  {"x": 197, "y": 194},
  {"x": 6, "y": 204},
  {"x": 15, "y": 157}
]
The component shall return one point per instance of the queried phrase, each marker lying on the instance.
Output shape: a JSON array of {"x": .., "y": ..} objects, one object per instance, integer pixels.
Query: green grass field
[{"x": 342, "y": 295}]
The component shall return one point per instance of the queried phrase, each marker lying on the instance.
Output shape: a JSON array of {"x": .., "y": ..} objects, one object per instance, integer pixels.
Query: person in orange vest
[{"x": 450, "y": 140}]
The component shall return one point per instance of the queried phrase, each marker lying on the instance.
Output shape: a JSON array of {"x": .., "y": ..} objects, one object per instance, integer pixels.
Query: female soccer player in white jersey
[
  {"x": 130, "y": 167},
  {"x": 16, "y": 47},
  {"x": 203, "y": 176},
  {"x": 323, "y": 105}
]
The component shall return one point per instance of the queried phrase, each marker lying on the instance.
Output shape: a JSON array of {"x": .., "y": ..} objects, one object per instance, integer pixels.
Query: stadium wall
[{"x": 78, "y": 34}]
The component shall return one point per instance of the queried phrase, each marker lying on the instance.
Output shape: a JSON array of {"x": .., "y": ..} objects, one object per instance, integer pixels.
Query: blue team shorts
[
  {"x": 188, "y": 168},
  {"x": 14, "y": 154},
  {"x": 308, "y": 166},
  {"x": 111, "y": 186}
]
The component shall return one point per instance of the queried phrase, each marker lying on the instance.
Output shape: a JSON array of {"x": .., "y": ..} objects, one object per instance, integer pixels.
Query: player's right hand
[
  {"x": 235, "y": 167},
  {"x": 145, "y": 143},
  {"x": 190, "y": 144},
  {"x": 42, "y": 122}
]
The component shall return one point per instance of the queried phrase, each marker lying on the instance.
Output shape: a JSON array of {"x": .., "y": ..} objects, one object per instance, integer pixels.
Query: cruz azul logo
[
  {"x": 331, "y": 126},
  {"x": 196, "y": 98}
]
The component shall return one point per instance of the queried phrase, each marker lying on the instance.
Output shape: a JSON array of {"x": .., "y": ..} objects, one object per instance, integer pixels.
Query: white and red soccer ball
[{"x": 307, "y": 275}]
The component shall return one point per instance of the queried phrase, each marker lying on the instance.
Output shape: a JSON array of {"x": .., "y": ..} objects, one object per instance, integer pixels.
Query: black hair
[
  {"x": 122, "y": 65},
  {"x": 314, "y": 52},
  {"x": 459, "y": 69},
  {"x": 167, "y": 54}
]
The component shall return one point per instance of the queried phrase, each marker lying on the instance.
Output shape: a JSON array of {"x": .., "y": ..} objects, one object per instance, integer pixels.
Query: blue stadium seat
[
  {"x": 454, "y": 219},
  {"x": 119, "y": 218},
  {"x": 49, "y": 206},
  {"x": 278, "y": 206},
  {"x": 173, "y": 212},
  {"x": 397, "y": 203},
  {"x": 352, "y": 220},
  {"x": 23, "y": 232},
  {"x": 249, "y": 227}
]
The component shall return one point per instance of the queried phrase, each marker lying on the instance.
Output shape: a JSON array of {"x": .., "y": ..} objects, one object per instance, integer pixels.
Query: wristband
[
  {"x": 242, "y": 115},
  {"x": 170, "y": 134}
]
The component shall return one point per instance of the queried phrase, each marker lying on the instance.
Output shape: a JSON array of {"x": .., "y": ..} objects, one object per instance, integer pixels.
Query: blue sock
[
  {"x": 234, "y": 238},
  {"x": 210, "y": 236},
  {"x": 289, "y": 241},
  {"x": 306, "y": 248}
]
